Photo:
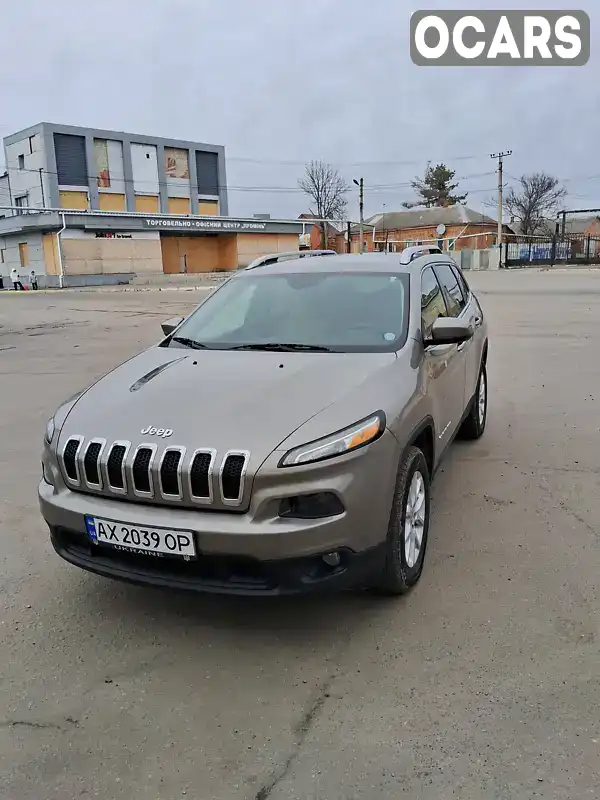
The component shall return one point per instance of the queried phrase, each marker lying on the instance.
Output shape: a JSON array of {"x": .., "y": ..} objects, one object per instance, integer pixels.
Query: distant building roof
[
  {"x": 426, "y": 217},
  {"x": 574, "y": 225}
]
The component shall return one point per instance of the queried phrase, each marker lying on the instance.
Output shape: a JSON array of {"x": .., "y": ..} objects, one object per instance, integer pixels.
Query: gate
[{"x": 525, "y": 251}]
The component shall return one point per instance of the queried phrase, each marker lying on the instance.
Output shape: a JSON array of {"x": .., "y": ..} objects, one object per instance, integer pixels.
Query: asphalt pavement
[{"x": 482, "y": 683}]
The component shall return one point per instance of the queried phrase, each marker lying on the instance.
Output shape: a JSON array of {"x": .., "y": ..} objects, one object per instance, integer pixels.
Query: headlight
[
  {"x": 345, "y": 441},
  {"x": 50, "y": 428}
]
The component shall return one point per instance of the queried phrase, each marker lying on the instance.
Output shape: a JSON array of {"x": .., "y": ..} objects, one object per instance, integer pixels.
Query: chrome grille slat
[{"x": 146, "y": 472}]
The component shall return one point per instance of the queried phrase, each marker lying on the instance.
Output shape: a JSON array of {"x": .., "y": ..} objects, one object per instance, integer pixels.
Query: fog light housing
[
  {"x": 47, "y": 475},
  {"x": 311, "y": 506},
  {"x": 332, "y": 559}
]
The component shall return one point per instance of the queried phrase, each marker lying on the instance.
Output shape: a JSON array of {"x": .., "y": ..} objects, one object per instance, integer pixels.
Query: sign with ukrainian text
[{"x": 209, "y": 225}]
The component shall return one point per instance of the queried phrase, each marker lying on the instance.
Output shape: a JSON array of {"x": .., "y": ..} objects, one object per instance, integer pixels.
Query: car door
[
  {"x": 474, "y": 347},
  {"x": 443, "y": 363},
  {"x": 457, "y": 307}
]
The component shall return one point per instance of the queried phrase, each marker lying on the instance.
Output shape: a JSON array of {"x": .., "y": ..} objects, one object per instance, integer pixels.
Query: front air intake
[
  {"x": 170, "y": 479},
  {"x": 142, "y": 480},
  {"x": 232, "y": 478},
  {"x": 91, "y": 466},
  {"x": 115, "y": 467},
  {"x": 70, "y": 459}
]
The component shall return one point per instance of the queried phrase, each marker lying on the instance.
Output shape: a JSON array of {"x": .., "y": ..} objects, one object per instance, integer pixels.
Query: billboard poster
[
  {"x": 176, "y": 163},
  {"x": 103, "y": 172}
]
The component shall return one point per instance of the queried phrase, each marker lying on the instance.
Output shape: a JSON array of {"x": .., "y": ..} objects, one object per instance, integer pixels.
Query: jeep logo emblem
[{"x": 151, "y": 431}]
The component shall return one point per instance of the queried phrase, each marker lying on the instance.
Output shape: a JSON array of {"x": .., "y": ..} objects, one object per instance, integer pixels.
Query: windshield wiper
[
  {"x": 188, "y": 342},
  {"x": 284, "y": 347}
]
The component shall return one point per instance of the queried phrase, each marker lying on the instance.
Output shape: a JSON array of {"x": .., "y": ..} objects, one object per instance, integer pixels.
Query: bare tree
[
  {"x": 327, "y": 190},
  {"x": 536, "y": 200}
]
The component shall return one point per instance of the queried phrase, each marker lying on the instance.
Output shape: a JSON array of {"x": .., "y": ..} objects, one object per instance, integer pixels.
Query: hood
[{"x": 219, "y": 399}]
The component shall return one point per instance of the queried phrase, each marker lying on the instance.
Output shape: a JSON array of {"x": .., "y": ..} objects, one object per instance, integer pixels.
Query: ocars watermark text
[{"x": 500, "y": 38}]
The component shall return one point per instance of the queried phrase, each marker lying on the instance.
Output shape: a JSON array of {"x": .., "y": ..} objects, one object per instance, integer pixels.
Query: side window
[
  {"x": 432, "y": 301},
  {"x": 455, "y": 301},
  {"x": 462, "y": 282}
]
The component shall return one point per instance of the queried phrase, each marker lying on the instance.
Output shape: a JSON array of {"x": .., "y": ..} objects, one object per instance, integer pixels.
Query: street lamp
[{"x": 360, "y": 185}]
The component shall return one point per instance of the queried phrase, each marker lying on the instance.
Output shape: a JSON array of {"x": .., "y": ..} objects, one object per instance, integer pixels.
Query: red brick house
[
  {"x": 315, "y": 233},
  {"x": 451, "y": 228}
]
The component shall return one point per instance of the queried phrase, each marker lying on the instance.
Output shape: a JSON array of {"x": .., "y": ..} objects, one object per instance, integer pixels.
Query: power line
[
  {"x": 414, "y": 162},
  {"x": 230, "y": 187}
]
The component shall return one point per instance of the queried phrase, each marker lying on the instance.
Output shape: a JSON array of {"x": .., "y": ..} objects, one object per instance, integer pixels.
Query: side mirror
[
  {"x": 169, "y": 326},
  {"x": 449, "y": 330}
]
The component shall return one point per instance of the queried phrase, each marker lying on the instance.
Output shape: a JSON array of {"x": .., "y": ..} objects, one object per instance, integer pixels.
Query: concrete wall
[
  {"x": 156, "y": 183},
  {"x": 5, "y": 199},
  {"x": 144, "y": 163},
  {"x": 28, "y": 181},
  {"x": 9, "y": 245},
  {"x": 484, "y": 259}
]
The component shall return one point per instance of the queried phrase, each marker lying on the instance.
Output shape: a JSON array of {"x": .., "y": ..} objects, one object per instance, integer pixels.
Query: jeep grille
[{"x": 172, "y": 475}]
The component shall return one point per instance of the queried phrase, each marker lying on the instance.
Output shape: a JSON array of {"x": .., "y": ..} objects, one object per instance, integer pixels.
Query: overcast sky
[{"x": 279, "y": 83}]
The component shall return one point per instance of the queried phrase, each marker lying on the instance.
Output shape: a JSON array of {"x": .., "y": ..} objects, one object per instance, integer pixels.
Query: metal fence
[{"x": 524, "y": 251}]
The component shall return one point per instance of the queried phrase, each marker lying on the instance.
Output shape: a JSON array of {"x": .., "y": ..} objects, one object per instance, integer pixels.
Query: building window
[
  {"x": 207, "y": 173},
  {"x": 1, "y": 256},
  {"x": 31, "y": 141},
  {"x": 71, "y": 163},
  {"x": 21, "y": 202},
  {"x": 21, "y": 161}
]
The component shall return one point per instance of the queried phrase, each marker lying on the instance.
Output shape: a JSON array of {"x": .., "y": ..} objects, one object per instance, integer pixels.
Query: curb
[{"x": 111, "y": 289}]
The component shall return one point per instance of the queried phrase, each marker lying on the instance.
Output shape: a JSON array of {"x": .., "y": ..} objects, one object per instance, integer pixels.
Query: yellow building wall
[
  {"x": 111, "y": 256},
  {"x": 228, "y": 252},
  {"x": 108, "y": 201},
  {"x": 253, "y": 245},
  {"x": 24, "y": 254},
  {"x": 179, "y": 205},
  {"x": 146, "y": 203},
  {"x": 197, "y": 254},
  {"x": 73, "y": 200},
  {"x": 208, "y": 208},
  {"x": 50, "y": 250}
]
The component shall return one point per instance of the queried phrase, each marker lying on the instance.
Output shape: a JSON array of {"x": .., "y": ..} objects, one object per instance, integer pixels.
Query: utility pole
[
  {"x": 499, "y": 157},
  {"x": 361, "y": 234}
]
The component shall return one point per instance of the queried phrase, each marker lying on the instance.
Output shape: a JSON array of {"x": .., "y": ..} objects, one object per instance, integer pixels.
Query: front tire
[
  {"x": 408, "y": 527},
  {"x": 474, "y": 424}
]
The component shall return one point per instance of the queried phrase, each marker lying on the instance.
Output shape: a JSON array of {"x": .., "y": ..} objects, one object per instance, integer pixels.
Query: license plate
[{"x": 159, "y": 542}]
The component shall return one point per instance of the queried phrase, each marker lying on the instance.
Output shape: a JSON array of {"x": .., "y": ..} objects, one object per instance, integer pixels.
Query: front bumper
[
  {"x": 222, "y": 574},
  {"x": 255, "y": 552}
]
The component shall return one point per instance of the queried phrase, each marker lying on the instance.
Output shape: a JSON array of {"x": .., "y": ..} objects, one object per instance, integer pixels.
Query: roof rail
[
  {"x": 276, "y": 258},
  {"x": 410, "y": 253}
]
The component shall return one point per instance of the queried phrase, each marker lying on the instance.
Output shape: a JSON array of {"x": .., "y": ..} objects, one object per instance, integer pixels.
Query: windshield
[{"x": 315, "y": 310}]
